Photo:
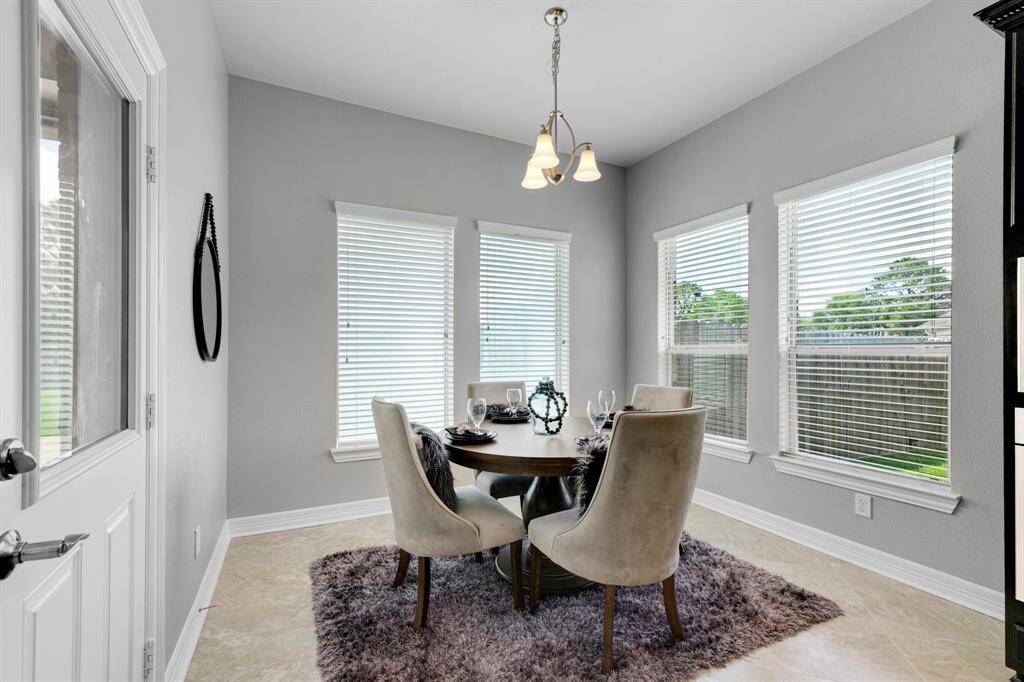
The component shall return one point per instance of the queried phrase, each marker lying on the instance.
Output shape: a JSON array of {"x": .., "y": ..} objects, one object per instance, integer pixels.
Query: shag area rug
[{"x": 728, "y": 608}]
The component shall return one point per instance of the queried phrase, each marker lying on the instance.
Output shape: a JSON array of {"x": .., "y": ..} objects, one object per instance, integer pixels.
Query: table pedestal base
[
  {"x": 553, "y": 578},
  {"x": 547, "y": 495}
]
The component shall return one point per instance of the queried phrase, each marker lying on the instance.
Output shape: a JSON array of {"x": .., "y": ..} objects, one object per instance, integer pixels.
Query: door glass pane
[{"x": 82, "y": 250}]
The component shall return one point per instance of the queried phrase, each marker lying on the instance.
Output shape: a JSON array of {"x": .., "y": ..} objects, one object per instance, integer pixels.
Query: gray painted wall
[
  {"x": 193, "y": 406},
  {"x": 937, "y": 72},
  {"x": 291, "y": 156}
]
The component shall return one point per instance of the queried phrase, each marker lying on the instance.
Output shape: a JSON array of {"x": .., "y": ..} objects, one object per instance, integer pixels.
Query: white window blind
[
  {"x": 524, "y": 305},
  {"x": 865, "y": 275},
  {"x": 395, "y": 309},
  {"x": 702, "y": 316}
]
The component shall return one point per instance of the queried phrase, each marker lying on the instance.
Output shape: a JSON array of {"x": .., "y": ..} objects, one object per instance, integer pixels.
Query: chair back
[
  {"x": 494, "y": 391},
  {"x": 630, "y": 532},
  {"x": 659, "y": 398},
  {"x": 421, "y": 519}
]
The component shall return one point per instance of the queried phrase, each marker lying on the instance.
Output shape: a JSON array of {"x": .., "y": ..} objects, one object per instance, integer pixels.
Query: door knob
[
  {"x": 13, "y": 551},
  {"x": 14, "y": 459}
]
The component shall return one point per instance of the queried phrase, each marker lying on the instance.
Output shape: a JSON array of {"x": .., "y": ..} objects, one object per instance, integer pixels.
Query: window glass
[{"x": 83, "y": 275}]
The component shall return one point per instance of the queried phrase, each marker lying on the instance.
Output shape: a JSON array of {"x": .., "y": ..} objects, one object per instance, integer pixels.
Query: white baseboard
[
  {"x": 181, "y": 657},
  {"x": 949, "y": 587},
  {"x": 311, "y": 516}
]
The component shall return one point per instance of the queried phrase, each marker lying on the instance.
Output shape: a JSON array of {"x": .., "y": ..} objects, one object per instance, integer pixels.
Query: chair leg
[
  {"x": 423, "y": 593},
  {"x": 668, "y": 590},
  {"x": 403, "y": 568},
  {"x": 609, "y": 629},
  {"x": 479, "y": 557},
  {"x": 534, "y": 578},
  {"x": 516, "y": 551}
]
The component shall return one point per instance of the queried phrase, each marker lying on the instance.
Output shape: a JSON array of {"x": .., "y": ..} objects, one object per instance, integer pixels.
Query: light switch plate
[{"x": 862, "y": 505}]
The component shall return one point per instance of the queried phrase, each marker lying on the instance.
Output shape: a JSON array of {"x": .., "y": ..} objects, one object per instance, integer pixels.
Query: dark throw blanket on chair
[{"x": 436, "y": 465}]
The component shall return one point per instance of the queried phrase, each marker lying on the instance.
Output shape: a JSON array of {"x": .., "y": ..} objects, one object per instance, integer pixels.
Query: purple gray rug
[{"x": 728, "y": 607}]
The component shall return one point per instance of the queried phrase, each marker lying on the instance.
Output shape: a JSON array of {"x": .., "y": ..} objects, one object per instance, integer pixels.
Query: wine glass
[
  {"x": 597, "y": 416},
  {"x": 606, "y": 397},
  {"x": 477, "y": 409},
  {"x": 514, "y": 396}
]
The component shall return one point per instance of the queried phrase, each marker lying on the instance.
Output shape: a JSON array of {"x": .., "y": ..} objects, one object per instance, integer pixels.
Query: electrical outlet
[
  {"x": 197, "y": 542},
  {"x": 862, "y": 504}
]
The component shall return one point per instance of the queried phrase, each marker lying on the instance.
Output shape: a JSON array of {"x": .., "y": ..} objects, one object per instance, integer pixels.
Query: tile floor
[{"x": 262, "y": 625}]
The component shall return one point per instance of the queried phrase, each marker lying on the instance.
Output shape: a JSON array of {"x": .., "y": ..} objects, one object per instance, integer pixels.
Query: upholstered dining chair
[
  {"x": 424, "y": 526},
  {"x": 650, "y": 397},
  {"x": 629, "y": 534},
  {"x": 499, "y": 485}
]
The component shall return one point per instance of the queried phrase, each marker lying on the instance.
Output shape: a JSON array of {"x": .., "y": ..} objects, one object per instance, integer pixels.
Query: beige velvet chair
[
  {"x": 499, "y": 485},
  {"x": 494, "y": 392},
  {"x": 657, "y": 398},
  {"x": 629, "y": 534},
  {"x": 424, "y": 526}
]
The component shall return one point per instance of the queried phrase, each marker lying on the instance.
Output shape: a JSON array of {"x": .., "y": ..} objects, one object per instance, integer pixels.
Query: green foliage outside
[
  {"x": 49, "y": 412},
  {"x": 720, "y": 307},
  {"x": 897, "y": 303},
  {"x": 903, "y": 298},
  {"x": 929, "y": 464}
]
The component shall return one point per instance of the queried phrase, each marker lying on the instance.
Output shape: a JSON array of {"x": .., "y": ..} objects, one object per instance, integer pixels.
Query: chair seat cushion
[
  {"x": 503, "y": 485},
  {"x": 543, "y": 529},
  {"x": 496, "y": 524}
]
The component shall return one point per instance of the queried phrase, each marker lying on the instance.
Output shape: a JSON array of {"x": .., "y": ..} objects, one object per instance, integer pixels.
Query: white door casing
[{"x": 87, "y": 614}]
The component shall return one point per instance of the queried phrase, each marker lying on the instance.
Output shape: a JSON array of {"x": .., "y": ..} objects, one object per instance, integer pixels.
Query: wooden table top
[{"x": 518, "y": 450}]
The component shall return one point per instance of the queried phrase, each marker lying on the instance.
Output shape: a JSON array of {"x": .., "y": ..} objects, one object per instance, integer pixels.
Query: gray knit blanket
[{"x": 436, "y": 465}]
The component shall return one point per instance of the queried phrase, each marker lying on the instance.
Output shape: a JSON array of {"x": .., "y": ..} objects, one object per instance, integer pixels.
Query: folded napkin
[
  {"x": 465, "y": 429},
  {"x": 502, "y": 410}
]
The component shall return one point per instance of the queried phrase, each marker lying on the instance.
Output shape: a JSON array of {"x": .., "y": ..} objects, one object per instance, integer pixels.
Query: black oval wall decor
[{"x": 206, "y": 296}]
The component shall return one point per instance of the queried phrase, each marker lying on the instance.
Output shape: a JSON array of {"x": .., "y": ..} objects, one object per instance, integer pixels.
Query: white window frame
[
  {"x": 731, "y": 449},
  {"x": 370, "y": 450},
  {"x": 563, "y": 302},
  {"x": 935, "y": 495}
]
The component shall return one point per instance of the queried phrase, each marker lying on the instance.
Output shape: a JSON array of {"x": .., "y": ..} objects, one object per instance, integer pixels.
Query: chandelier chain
[{"x": 556, "y": 52}]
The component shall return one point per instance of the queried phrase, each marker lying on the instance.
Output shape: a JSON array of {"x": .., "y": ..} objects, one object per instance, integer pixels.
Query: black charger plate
[{"x": 469, "y": 439}]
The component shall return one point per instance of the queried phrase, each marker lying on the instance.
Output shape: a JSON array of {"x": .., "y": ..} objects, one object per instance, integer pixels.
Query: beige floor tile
[
  {"x": 759, "y": 666},
  {"x": 261, "y": 628},
  {"x": 847, "y": 649},
  {"x": 904, "y": 610},
  {"x": 950, "y": 660}
]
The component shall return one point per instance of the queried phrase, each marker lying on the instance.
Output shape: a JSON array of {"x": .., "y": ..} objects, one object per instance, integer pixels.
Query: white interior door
[{"x": 72, "y": 342}]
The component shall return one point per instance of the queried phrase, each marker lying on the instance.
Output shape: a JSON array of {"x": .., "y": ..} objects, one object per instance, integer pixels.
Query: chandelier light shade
[
  {"x": 543, "y": 168},
  {"x": 544, "y": 154},
  {"x": 534, "y": 178},
  {"x": 587, "y": 170}
]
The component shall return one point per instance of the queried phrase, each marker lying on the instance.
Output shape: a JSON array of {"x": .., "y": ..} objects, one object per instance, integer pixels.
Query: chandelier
[{"x": 543, "y": 167}]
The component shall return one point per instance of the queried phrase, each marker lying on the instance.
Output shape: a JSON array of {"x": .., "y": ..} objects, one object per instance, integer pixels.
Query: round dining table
[{"x": 518, "y": 450}]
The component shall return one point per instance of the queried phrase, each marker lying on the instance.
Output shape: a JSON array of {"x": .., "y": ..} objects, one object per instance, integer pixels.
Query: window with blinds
[
  {"x": 524, "y": 305},
  {"x": 702, "y": 316},
  {"x": 395, "y": 310},
  {"x": 865, "y": 276}
]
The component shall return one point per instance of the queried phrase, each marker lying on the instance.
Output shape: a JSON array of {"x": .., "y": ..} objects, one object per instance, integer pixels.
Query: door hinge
[
  {"x": 150, "y": 410},
  {"x": 150, "y": 163},
  {"x": 147, "y": 659}
]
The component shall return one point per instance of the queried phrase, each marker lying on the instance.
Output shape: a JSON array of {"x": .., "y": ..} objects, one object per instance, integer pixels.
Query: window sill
[
  {"x": 921, "y": 493},
  {"x": 734, "y": 450},
  {"x": 355, "y": 453}
]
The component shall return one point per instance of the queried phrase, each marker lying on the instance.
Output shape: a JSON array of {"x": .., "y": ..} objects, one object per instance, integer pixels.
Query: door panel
[
  {"x": 120, "y": 551},
  {"x": 80, "y": 616},
  {"x": 52, "y": 615}
]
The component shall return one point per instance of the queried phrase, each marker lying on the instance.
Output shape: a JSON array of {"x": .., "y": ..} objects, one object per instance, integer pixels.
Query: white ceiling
[{"x": 635, "y": 76}]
